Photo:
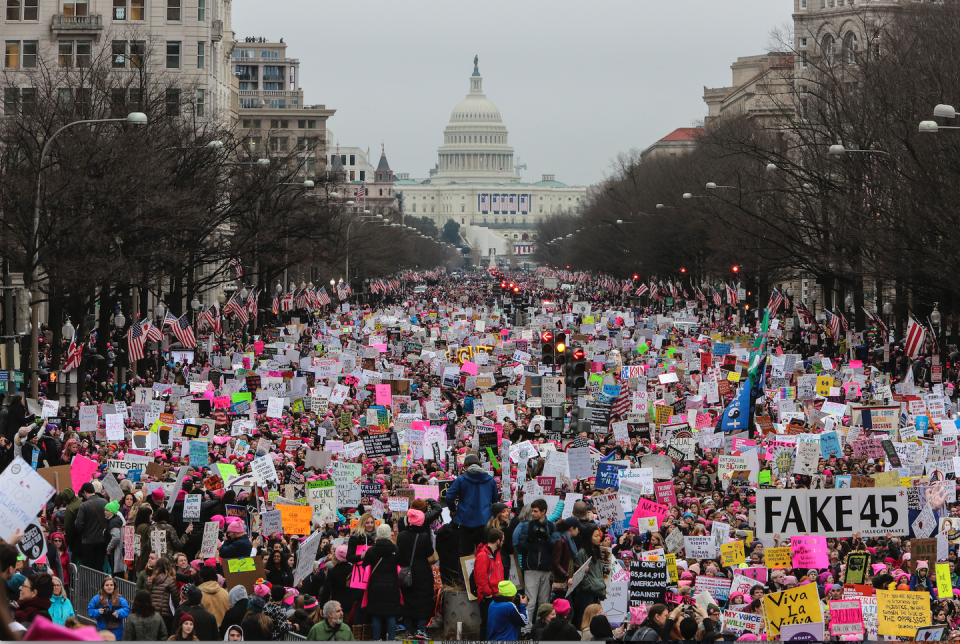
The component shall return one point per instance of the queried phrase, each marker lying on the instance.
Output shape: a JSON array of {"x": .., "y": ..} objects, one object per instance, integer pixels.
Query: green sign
[
  {"x": 18, "y": 377},
  {"x": 668, "y": 301},
  {"x": 3, "y": 385}
]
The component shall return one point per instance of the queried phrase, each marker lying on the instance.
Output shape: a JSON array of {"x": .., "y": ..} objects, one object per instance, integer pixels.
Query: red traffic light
[
  {"x": 736, "y": 269},
  {"x": 546, "y": 336},
  {"x": 511, "y": 284},
  {"x": 683, "y": 270},
  {"x": 635, "y": 276},
  {"x": 516, "y": 289},
  {"x": 578, "y": 354}
]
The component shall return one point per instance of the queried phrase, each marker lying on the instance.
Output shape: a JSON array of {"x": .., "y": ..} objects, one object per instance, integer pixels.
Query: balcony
[
  {"x": 216, "y": 31},
  {"x": 63, "y": 23},
  {"x": 506, "y": 226},
  {"x": 271, "y": 93}
]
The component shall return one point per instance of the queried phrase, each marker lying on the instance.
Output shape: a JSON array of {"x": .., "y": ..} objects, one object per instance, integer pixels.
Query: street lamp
[
  {"x": 67, "y": 330},
  {"x": 839, "y": 150},
  {"x": 772, "y": 167},
  {"x": 712, "y": 186},
  {"x": 195, "y": 303},
  {"x": 133, "y": 118},
  {"x": 848, "y": 302},
  {"x": 118, "y": 319},
  {"x": 945, "y": 111}
]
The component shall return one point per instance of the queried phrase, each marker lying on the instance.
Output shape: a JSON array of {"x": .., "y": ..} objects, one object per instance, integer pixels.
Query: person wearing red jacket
[{"x": 488, "y": 573}]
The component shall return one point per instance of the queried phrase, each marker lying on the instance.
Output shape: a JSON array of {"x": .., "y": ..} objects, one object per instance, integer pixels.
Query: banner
[
  {"x": 832, "y": 513},
  {"x": 648, "y": 582}
]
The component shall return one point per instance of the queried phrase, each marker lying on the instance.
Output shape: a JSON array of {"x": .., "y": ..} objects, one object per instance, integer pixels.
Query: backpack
[
  {"x": 473, "y": 581},
  {"x": 105, "y": 538}
]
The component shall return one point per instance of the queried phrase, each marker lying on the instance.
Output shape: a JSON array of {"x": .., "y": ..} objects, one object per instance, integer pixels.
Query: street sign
[{"x": 553, "y": 391}]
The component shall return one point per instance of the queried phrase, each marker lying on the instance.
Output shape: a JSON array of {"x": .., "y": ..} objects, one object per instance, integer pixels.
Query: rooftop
[{"x": 684, "y": 134}]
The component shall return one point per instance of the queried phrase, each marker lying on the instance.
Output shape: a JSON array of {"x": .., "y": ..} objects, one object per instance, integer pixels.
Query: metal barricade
[
  {"x": 293, "y": 637},
  {"x": 85, "y": 585}
]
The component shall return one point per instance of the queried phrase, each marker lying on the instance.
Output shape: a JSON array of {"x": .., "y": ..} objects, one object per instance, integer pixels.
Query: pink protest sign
[
  {"x": 81, "y": 471},
  {"x": 246, "y": 362},
  {"x": 809, "y": 552},
  {"x": 856, "y": 364},
  {"x": 758, "y": 573},
  {"x": 469, "y": 367},
  {"x": 647, "y": 508},
  {"x": 382, "y": 348},
  {"x": 666, "y": 493},
  {"x": 258, "y": 347},
  {"x": 221, "y": 402},
  {"x": 384, "y": 395}
]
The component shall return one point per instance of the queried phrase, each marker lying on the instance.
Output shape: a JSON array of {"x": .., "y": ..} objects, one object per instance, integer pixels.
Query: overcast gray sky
[{"x": 576, "y": 82}]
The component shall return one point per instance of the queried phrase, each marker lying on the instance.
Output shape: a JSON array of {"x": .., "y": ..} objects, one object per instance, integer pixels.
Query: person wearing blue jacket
[
  {"x": 504, "y": 619},
  {"x": 109, "y": 608},
  {"x": 60, "y": 605},
  {"x": 237, "y": 544},
  {"x": 534, "y": 540},
  {"x": 921, "y": 580},
  {"x": 472, "y": 495}
]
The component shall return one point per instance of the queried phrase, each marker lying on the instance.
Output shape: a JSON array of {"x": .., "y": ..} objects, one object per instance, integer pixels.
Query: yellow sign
[
  {"x": 887, "y": 479},
  {"x": 732, "y": 553},
  {"x": 733, "y": 376},
  {"x": 242, "y": 565},
  {"x": 902, "y": 612},
  {"x": 777, "y": 557},
  {"x": 663, "y": 413},
  {"x": 799, "y": 605},
  {"x": 823, "y": 385},
  {"x": 672, "y": 568},
  {"x": 944, "y": 586}
]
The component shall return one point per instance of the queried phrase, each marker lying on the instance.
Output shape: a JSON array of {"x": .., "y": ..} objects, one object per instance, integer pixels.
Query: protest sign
[
  {"x": 799, "y": 605},
  {"x": 832, "y": 513},
  {"x": 809, "y": 552},
  {"x": 902, "y": 612},
  {"x": 648, "y": 582},
  {"x": 846, "y": 617}
]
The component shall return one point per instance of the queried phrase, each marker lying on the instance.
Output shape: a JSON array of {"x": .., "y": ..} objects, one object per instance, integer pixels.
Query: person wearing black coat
[
  {"x": 205, "y": 627},
  {"x": 278, "y": 571},
  {"x": 238, "y": 608},
  {"x": 337, "y": 585},
  {"x": 448, "y": 549},
  {"x": 16, "y": 418},
  {"x": 384, "y": 603},
  {"x": 560, "y": 630},
  {"x": 419, "y": 601},
  {"x": 431, "y": 510}
]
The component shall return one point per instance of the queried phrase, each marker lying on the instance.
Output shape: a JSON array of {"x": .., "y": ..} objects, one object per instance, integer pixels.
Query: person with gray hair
[{"x": 331, "y": 627}]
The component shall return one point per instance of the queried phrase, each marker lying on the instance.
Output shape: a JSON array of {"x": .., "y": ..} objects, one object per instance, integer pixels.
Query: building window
[
  {"x": 353, "y": 177},
  {"x": 253, "y": 144},
  {"x": 278, "y": 143},
  {"x": 279, "y": 124},
  {"x": 121, "y": 12},
  {"x": 23, "y": 10},
  {"x": 138, "y": 53},
  {"x": 353, "y": 159},
  {"x": 363, "y": 177},
  {"x": 251, "y": 123},
  {"x": 119, "y": 54},
  {"x": 463, "y": 208},
  {"x": 829, "y": 50},
  {"x": 173, "y": 102},
  {"x": 202, "y": 11},
  {"x": 201, "y": 102},
  {"x": 173, "y": 10},
  {"x": 173, "y": 55},
  {"x": 11, "y": 101},
  {"x": 65, "y": 53},
  {"x": 414, "y": 207},
  {"x": 76, "y": 8},
  {"x": 12, "y": 58},
  {"x": 803, "y": 5},
  {"x": 201, "y": 54},
  {"x": 850, "y": 44}
]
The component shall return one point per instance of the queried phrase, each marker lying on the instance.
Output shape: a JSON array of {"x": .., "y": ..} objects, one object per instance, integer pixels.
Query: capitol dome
[{"x": 475, "y": 141}]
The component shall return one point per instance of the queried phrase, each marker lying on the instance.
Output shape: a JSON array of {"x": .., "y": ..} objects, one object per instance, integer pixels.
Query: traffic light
[
  {"x": 560, "y": 349},
  {"x": 549, "y": 350},
  {"x": 736, "y": 269},
  {"x": 576, "y": 369}
]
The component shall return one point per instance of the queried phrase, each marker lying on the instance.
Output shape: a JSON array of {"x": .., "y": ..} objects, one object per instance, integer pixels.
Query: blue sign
[
  {"x": 922, "y": 423},
  {"x": 608, "y": 476},
  {"x": 830, "y": 443},
  {"x": 721, "y": 349}
]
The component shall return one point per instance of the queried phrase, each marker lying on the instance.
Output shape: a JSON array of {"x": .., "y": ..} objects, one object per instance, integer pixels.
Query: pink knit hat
[
  {"x": 415, "y": 517},
  {"x": 236, "y": 527}
]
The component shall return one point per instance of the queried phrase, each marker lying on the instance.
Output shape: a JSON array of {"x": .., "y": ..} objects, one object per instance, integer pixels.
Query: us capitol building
[{"x": 474, "y": 183}]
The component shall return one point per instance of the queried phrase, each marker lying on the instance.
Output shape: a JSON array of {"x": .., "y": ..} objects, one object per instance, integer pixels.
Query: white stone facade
[{"x": 474, "y": 183}]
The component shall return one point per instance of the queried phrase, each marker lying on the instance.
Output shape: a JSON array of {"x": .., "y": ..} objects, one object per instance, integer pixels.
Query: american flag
[
  {"x": 643, "y": 289},
  {"x": 621, "y": 405},
  {"x": 322, "y": 297},
  {"x": 342, "y": 291},
  {"x": 654, "y": 291},
  {"x": 181, "y": 328},
  {"x": 834, "y": 322},
  {"x": 74, "y": 353},
  {"x": 276, "y": 303},
  {"x": 876, "y": 321},
  {"x": 700, "y": 295},
  {"x": 732, "y": 298},
  {"x": 136, "y": 338},
  {"x": 238, "y": 307},
  {"x": 154, "y": 333},
  {"x": 212, "y": 315},
  {"x": 716, "y": 297},
  {"x": 805, "y": 315},
  {"x": 673, "y": 289},
  {"x": 916, "y": 335},
  {"x": 300, "y": 300},
  {"x": 775, "y": 301},
  {"x": 362, "y": 191},
  {"x": 237, "y": 266},
  {"x": 252, "y": 303},
  {"x": 843, "y": 321}
]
